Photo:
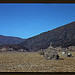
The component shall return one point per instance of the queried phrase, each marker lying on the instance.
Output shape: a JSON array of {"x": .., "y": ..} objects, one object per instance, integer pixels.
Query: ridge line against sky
[{"x": 28, "y": 20}]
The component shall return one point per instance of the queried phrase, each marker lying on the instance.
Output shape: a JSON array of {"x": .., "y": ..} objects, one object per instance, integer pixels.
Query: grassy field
[{"x": 33, "y": 62}]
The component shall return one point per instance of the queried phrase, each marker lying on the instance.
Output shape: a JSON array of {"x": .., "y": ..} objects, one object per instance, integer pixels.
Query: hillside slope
[
  {"x": 10, "y": 40},
  {"x": 62, "y": 36}
]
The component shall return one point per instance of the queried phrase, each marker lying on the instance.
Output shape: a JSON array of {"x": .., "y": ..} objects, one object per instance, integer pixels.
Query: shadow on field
[{"x": 61, "y": 58}]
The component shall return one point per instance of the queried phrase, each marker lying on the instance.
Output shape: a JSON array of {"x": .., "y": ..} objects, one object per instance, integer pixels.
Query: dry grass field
[{"x": 33, "y": 62}]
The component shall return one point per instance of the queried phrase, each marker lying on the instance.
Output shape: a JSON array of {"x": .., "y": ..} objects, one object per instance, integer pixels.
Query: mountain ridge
[
  {"x": 10, "y": 39},
  {"x": 61, "y": 36}
]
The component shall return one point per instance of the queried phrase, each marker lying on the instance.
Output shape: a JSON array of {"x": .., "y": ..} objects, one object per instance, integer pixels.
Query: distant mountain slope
[
  {"x": 10, "y": 40},
  {"x": 62, "y": 36}
]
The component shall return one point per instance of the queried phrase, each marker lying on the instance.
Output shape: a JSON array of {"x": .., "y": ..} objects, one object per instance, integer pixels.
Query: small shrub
[
  {"x": 51, "y": 54},
  {"x": 41, "y": 52}
]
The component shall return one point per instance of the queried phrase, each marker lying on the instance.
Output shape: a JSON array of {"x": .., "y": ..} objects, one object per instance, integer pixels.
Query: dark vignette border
[
  {"x": 45, "y": 2},
  {"x": 37, "y": 1},
  {"x": 37, "y": 73}
]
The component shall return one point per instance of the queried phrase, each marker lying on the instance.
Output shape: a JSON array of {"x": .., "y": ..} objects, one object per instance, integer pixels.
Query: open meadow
[{"x": 33, "y": 62}]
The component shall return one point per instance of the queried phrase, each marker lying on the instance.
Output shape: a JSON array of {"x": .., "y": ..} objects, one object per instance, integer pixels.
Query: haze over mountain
[
  {"x": 10, "y": 40},
  {"x": 63, "y": 36}
]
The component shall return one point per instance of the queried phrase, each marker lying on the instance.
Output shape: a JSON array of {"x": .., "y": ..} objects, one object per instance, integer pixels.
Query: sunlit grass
[{"x": 33, "y": 62}]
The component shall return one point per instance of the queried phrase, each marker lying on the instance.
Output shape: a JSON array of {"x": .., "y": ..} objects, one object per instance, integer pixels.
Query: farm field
[{"x": 33, "y": 62}]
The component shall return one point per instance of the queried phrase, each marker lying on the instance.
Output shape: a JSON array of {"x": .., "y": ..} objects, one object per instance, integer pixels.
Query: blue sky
[{"x": 27, "y": 20}]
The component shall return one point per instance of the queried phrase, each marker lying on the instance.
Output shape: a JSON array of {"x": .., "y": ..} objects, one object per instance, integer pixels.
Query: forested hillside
[
  {"x": 10, "y": 40},
  {"x": 63, "y": 36}
]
